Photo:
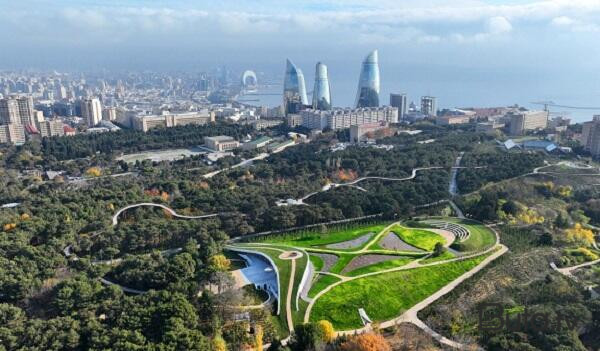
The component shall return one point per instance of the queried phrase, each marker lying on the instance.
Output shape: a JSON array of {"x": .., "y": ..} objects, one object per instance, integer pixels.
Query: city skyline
[{"x": 470, "y": 53}]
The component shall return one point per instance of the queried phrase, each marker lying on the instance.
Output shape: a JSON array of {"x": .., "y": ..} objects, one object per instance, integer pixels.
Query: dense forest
[{"x": 49, "y": 301}]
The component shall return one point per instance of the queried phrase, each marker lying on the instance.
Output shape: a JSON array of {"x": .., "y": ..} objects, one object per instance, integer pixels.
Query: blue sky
[{"x": 525, "y": 44}]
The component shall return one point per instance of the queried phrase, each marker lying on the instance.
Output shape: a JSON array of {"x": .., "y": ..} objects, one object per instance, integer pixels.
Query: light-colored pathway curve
[{"x": 115, "y": 218}]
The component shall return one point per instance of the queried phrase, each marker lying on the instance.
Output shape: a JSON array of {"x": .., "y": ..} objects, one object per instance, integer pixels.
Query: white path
[
  {"x": 115, "y": 218},
  {"x": 410, "y": 316}
]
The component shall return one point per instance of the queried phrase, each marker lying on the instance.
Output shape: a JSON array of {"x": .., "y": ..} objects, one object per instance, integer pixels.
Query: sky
[{"x": 491, "y": 50}]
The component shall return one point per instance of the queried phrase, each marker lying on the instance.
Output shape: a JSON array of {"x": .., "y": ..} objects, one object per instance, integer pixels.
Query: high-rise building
[
  {"x": 400, "y": 102},
  {"x": 339, "y": 118},
  {"x": 294, "y": 89},
  {"x": 590, "y": 136},
  {"x": 9, "y": 111},
  {"x": 321, "y": 93},
  {"x": 429, "y": 106},
  {"x": 53, "y": 127},
  {"x": 109, "y": 113},
  {"x": 368, "y": 83},
  {"x": 528, "y": 120},
  {"x": 91, "y": 111},
  {"x": 18, "y": 110},
  {"x": 13, "y": 133}
]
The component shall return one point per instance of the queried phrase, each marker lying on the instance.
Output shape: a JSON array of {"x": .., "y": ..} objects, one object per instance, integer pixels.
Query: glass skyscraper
[
  {"x": 294, "y": 89},
  {"x": 321, "y": 95},
  {"x": 368, "y": 83}
]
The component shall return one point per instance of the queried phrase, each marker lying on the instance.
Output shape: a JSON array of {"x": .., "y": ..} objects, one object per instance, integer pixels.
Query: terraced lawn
[
  {"x": 385, "y": 296},
  {"x": 480, "y": 236},
  {"x": 420, "y": 238}
]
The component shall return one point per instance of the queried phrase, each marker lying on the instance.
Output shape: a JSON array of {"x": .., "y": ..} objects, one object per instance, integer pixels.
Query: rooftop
[{"x": 220, "y": 138}]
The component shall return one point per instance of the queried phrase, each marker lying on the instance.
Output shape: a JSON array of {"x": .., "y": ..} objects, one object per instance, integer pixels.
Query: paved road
[
  {"x": 410, "y": 316},
  {"x": 241, "y": 164},
  {"x": 453, "y": 188},
  {"x": 459, "y": 212},
  {"x": 353, "y": 183},
  {"x": 568, "y": 271},
  {"x": 115, "y": 218}
]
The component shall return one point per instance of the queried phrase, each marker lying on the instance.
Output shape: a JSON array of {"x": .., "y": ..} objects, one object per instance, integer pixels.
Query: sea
[{"x": 461, "y": 90}]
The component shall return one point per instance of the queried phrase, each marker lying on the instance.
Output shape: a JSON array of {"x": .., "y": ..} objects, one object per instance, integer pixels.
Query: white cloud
[
  {"x": 575, "y": 25},
  {"x": 499, "y": 25},
  {"x": 562, "y": 21}
]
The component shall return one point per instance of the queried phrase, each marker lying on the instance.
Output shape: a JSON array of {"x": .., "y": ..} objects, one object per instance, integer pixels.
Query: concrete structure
[
  {"x": 50, "y": 128},
  {"x": 13, "y": 133},
  {"x": 17, "y": 110},
  {"x": 429, "y": 105},
  {"x": 261, "y": 124},
  {"x": 91, "y": 111},
  {"x": 488, "y": 127},
  {"x": 109, "y": 114},
  {"x": 540, "y": 145},
  {"x": 528, "y": 120},
  {"x": 590, "y": 136},
  {"x": 293, "y": 120},
  {"x": 249, "y": 82},
  {"x": 344, "y": 118},
  {"x": 278, "y": 147},
  {"x": 400, "y": 102},
  {"x": 448, "y": 120},
  {"x": 221, "y": 143},
  {"x": 167, "y": 120},
  {"x": 359, "y": 133},
  {"x": 9, "y": 112},
  {"x": 257, "y": 144}
]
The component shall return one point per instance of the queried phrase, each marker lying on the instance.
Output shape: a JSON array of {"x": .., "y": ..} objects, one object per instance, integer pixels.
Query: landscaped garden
[{"x": 383, "y": 268}]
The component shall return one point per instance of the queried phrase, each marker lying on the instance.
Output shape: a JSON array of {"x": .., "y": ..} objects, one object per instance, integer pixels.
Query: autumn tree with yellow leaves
[
  {"x": 327, "y": 331},
  {"x": 580, "y": 234}
]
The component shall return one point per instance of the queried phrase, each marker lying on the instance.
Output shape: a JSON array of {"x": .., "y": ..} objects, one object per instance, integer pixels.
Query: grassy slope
[
  {"x": 322, "y": 282},
  {"x": 380, "y": 266},
  {"x": 311, "y": 239},
  {"x": 385, "y": 296},
  {"x": 480, "y": 236},
  {"x": 317, "y": 262},
  {"x": 419, "y": 238},
  {"x": 445, "y": 256}
]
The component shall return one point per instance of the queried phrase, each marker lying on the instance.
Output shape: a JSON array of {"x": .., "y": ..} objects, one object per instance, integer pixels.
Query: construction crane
[{"x": 548, "y": 104}]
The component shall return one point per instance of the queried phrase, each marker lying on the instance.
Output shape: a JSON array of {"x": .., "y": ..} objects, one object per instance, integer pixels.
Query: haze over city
[
  {"x": 467, "y": 53},
  {"x": 277, "y": 175}
]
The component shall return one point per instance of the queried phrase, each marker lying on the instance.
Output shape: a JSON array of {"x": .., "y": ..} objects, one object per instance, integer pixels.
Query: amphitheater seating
[{"x": 459, "y": 231}]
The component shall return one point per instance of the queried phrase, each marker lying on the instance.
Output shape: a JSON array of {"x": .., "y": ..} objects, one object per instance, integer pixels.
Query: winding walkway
[
  {"x": 410, "y": 316},
  {"x": 115, "y": 218}
]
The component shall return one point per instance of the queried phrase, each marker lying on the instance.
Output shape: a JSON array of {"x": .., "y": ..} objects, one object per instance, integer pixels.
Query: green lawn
[
  {"x": 420, "y": 238},
  {"x": 334, "y": 235},
  {"x": 343, "y": 260},
  {"x": 317, "y": 262},
  {"x": 480, "y": 237},
  {"x": 445, "y": 256},
  {"x": 322, "y": 282},
  {"x": 380, "y": 266},
  {"x": 385, "y": 296}
]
